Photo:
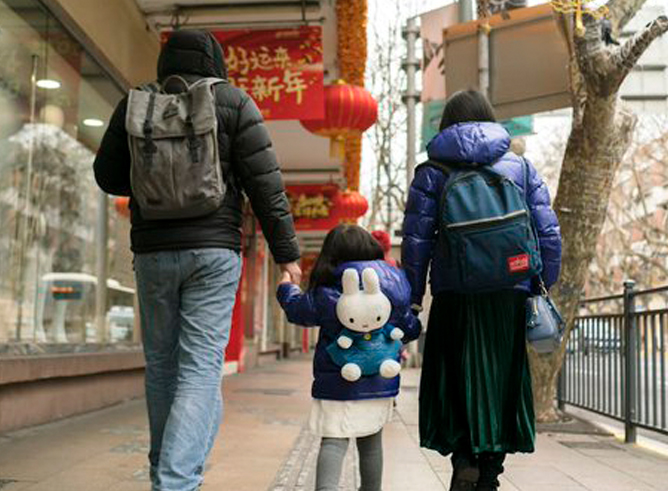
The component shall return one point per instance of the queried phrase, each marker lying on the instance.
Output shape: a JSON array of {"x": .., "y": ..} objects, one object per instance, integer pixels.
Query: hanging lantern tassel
[{"x": 337, "y": 147}]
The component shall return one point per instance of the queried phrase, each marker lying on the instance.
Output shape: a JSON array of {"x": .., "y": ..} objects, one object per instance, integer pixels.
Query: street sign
[{"x": 527, "y": 57}]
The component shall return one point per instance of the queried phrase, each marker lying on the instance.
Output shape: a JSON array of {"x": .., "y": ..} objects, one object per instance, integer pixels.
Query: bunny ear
[
  {"x": 351, "y": 282},
  {"x": 371, "y": 281}
]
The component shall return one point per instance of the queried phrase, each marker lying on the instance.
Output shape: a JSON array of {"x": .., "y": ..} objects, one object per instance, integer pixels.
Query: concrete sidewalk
[{"x": 263, "y": 446}]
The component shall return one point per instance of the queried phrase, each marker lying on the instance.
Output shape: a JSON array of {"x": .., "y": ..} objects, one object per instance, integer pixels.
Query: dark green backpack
[{"x": 486, "y": 229}]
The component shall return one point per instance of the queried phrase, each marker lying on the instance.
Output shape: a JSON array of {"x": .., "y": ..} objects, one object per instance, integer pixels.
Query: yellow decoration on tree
[{"x": 579, "y": 8}]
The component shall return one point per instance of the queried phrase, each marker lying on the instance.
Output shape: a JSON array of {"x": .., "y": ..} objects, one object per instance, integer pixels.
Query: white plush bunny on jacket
[{"x": 367, "y": 344}]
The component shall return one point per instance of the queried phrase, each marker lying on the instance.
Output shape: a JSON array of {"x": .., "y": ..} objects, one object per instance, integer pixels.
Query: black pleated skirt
[{"x": 475, "y": 390}]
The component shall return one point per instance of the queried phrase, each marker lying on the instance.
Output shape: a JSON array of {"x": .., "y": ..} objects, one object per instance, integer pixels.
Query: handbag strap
[{"x": 525, "y": 178}]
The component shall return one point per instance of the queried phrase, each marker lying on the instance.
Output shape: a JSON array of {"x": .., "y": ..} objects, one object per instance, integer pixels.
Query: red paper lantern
[
  {"x": 349, "y": 110},
  {"x": 349, "y": 206},
  {"x": 122, "y": 205}
]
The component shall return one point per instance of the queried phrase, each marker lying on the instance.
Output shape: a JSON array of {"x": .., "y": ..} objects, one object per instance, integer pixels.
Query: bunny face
[{"x": 362, "y": 310}]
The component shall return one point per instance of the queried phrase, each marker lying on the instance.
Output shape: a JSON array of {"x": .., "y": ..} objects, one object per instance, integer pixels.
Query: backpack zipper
[{"x": 486, "y": 221}]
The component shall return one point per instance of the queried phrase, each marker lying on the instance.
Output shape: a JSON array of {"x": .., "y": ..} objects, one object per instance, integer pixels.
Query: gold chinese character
[
  {"x": 294, "y": 83},
  {"x": 264, "y": 88},
  {"x": 274, "y": 88},
  {"x": 259, "y": 88},
  {"x": 261, "y": 60},
  {"x": 237, "y": 60},
  {"x": 231, "y": 60},
  {"x": 311, "y": 207},
  {"x": 281, "y": 58}
]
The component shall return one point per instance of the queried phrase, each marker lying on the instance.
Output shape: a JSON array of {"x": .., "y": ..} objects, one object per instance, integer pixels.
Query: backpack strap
[
  {"x": 149, "y": 147},
  {"x": 193, "y": 143},
  {"x": 151, "y": 87},
  {"x": 525, "y": 176},
  {"x": 442, "y": 166},
  {"x": 177, "y": 85}
]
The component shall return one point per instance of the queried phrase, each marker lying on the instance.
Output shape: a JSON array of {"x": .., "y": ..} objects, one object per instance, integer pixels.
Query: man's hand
[{"x": 291, "y": 273}]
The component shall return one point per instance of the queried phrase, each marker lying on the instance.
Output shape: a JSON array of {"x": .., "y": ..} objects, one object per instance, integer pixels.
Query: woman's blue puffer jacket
[
  {"x": 318, "y": 308},
  {"x": 486, "y": 144}
]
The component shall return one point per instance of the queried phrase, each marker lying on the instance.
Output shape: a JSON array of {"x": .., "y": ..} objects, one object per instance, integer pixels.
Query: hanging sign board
[
  {"x": 528, "y": 61},
  {"x": 313, "y": 206},
  {"x": 282, "y": 69}
]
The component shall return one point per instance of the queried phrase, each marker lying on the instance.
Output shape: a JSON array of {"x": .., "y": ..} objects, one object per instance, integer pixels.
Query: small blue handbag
[{"x": 545, "y": 325}]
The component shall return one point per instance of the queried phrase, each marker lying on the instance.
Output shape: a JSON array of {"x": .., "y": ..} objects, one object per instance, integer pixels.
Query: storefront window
[{"x": 55, "y": 103}]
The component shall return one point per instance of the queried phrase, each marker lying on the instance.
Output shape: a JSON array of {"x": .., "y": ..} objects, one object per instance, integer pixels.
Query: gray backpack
[{"x": 173, "y": 137}]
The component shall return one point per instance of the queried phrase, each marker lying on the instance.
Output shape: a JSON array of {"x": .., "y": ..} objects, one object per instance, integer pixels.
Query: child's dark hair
[
  {"x": 343, "y": 244},
  {"x": 467, "y": 106}
]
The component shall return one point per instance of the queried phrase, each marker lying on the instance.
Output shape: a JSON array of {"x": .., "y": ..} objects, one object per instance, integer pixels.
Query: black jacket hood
[{"x": 192, "y": 52}]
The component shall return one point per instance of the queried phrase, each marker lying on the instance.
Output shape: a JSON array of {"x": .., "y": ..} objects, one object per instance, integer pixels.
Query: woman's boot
[
  {"x": 465, "y": 473},
  {"x": 491, "y": 467}
]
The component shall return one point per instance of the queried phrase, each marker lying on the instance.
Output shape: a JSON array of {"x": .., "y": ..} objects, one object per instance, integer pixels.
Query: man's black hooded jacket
[{"x": 246, "y": 155}]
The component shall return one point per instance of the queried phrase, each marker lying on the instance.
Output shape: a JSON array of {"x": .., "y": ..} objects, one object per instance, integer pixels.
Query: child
[{"x": 346, "y": 406}]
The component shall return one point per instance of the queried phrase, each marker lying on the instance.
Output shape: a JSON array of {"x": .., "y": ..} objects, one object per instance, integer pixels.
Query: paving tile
[{"x": 265, "y": 415}]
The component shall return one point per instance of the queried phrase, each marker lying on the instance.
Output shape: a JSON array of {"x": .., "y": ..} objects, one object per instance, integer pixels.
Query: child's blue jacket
[{"x": 318, "y": 308}]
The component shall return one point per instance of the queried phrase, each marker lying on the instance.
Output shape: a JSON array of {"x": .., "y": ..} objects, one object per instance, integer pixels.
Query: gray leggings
[{"x": 330, "y": 462}]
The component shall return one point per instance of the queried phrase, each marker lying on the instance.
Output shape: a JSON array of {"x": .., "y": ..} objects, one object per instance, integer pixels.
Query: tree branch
[
  {"x": 626, "y": 57},
  {"x": 622, "y": 11}
]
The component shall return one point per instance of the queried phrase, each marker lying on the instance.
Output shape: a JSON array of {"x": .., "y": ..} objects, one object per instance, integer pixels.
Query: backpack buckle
[
  {"x": 149, "y": 149},
  {"x": 194, "y": 145},
  {"x": 193, "y": 142}
]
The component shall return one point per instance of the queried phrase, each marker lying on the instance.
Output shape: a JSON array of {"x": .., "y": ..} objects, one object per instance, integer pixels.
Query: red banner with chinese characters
[
  {"x": 313, "y": 206},
  {"x": 282, "y": 69}
]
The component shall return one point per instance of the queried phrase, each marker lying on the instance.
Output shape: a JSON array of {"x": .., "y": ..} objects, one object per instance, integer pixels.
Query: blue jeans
[{"x": 186, "y": 300}]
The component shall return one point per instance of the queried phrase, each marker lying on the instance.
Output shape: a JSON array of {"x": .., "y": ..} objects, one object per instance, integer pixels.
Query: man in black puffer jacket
[{"x": 188, "y": 269}]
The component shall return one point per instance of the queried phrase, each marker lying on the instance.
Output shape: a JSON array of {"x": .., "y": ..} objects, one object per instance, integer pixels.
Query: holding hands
[{"x": 291, "y": 273}]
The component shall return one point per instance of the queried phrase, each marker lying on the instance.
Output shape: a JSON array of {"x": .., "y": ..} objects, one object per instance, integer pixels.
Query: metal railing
[{"x": 616, "y": 361}]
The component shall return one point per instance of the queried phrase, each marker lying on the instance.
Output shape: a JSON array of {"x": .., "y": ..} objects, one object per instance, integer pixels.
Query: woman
[{"x": 475, "y": 393}]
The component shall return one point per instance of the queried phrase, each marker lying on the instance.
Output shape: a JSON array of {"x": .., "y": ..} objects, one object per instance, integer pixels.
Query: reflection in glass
[{"x": 54, "y": 104}]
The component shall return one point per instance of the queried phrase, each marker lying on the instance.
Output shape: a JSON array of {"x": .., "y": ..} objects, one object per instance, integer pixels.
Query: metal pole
[
  {"x": 483, "y": 46},
  {"x": 561, "y": 386},
  {"x": 411, "y": 97},
  {"x": 630, "y": 369},
  {"x": 101, "y": 266},
  {"x": 25, "y": 219},
  {"x": 483, "y": 60},
  {"x": 465, "y": 11}
]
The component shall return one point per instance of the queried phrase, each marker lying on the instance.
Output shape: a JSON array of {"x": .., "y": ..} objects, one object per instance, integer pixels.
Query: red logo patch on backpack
[{"x": 518, "y": 264}]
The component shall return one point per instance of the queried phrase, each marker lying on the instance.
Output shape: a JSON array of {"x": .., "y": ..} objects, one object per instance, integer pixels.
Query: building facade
[{"x": 69, "y": 335}]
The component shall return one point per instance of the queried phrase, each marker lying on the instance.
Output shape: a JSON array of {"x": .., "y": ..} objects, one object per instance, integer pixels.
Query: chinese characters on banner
[
  {"x": 313, "y": 206},
  {"x": 282, "y": 69}
]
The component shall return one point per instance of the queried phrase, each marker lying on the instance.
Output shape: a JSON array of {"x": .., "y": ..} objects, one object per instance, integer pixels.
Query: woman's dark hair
[
  {"x": 466, "y": 106},
  {"x": 343, "y": 244}
]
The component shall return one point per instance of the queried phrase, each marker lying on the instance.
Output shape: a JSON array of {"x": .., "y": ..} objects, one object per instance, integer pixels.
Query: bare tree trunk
[
  {"x": 594, "y": 152},
  {"x": 600, "y": 136}
]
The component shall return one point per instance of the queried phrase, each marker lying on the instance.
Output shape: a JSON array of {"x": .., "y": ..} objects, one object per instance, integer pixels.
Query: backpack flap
[
  {"x": 173, "y": 139},
  {"x": 171, "y": 112}
]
